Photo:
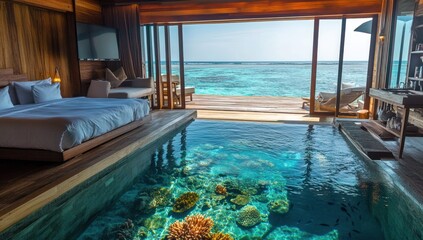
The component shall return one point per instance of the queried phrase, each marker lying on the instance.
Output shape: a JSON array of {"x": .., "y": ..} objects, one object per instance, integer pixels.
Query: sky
[{"x": 287, "y": 40}]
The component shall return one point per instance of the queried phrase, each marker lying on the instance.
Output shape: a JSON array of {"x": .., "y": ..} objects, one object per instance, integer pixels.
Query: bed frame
[{"x": 7, "y": 76}]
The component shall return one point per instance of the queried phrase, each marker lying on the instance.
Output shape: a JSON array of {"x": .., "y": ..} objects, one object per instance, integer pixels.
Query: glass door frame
[
  {"x": 152, "y": 36},
  {"x": 370, "y": 66}
]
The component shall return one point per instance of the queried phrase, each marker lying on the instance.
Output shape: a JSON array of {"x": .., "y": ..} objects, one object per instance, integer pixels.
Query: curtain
[{"x": 126, "y": 20}]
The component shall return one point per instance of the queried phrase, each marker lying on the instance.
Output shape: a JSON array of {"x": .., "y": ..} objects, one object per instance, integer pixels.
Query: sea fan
[{"x": 195, "y": 227}]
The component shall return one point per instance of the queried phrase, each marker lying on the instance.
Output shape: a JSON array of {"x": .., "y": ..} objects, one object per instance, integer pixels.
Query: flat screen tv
[{"x": 97, "y": 42}]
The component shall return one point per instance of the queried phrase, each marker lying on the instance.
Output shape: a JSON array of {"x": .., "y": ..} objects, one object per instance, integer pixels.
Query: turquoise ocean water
[{"x": 268, "y": 78}]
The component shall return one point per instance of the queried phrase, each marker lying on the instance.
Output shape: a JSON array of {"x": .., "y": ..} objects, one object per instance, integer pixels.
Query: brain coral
[
  {"x": 248, "y": 216},
  {"x": 185, "y": 202}
]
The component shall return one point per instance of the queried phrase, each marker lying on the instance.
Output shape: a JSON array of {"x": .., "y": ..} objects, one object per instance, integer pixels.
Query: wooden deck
[
  {"x": 253, "y": 108},
  {"x": 27, "y": 186}
]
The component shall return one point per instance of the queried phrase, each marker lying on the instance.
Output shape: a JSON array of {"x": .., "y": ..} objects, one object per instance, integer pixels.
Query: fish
[
  {"x": 324, "y": 224},
  {"x": 337, "y": 220},
  {"x": 343, "y": 209},
  {"x": 331, "y": 203},
  {"x": 356, "y": 231}
]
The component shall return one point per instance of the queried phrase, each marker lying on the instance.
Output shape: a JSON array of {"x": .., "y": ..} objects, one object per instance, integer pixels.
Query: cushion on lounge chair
[{"x": 130, "y": 92}]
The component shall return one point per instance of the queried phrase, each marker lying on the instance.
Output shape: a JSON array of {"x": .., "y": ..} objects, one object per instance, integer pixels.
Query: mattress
[{"x": 64, "y": 123}]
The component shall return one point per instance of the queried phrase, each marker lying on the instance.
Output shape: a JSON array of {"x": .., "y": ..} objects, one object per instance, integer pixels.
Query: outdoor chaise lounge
[{"x": 327, "y": 101}]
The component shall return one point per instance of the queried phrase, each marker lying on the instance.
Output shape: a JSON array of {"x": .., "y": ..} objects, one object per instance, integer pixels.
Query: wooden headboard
[{"x": 7, "y": 76}]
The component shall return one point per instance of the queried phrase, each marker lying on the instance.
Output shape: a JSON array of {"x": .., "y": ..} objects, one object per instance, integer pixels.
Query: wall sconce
[{"x": 56, "y": 78}]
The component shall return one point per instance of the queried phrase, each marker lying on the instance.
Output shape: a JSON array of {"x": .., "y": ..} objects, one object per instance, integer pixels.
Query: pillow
[
  {"x": 115, "y": 78},
  {"x": 5, "y": 101},
  {"x": 12, "y": 93},
  {"x": 24, "y": 91},
  {"x": 98, "y": 89},
  {"x": 46, "y": 92}
]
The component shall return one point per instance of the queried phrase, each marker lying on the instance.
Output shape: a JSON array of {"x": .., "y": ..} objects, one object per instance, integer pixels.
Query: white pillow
[
  {"x": 98, "y": 89},
  {"x": 5, "y": 101},
  {"x": 347, "y": 85},
  {"x": 24, "y": 90},
  {"x": 46, "y": 92}
]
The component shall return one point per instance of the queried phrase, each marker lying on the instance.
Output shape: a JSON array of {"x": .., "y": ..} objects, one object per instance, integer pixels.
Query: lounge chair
[{"x": 327, "y": 102}]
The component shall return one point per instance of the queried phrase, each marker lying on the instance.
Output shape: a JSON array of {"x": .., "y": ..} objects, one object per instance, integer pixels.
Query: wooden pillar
[
  {"x": 168, "y": 69},
  {"x": 181, "y": 65},
  {"x": 149, "y": 50},
  {"x": 340, "y": 66},
  {"x": 314, "y": 65},
  {"x": 371, "y": 61},
  {"x": 157, "y": 65}
]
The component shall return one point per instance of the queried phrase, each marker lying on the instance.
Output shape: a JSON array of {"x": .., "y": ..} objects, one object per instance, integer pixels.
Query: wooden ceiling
[{"x": 173, "y": 11}]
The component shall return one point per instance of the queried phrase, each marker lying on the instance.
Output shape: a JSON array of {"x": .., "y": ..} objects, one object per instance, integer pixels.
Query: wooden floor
[
  {"x": 253, "y": 108},
  {"x": 28, "y": 186},
  {"x": 248, "y": 104}
]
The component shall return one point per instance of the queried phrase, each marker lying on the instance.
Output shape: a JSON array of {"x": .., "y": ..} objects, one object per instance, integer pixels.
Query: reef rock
[
  {"x": 221, "y": 190},
  {"x": 154, "y": 222},
  {"x": 279, "y": 206},
  {"x": 185, "y": 202},
  {"x": 248, "y": 216},
  {"x": 241, "y": 200}
]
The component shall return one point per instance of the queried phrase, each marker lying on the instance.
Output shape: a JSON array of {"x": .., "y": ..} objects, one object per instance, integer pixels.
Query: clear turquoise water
[
  {"x": 329, "y": 187},
  {"x": 268, "y": 78}
]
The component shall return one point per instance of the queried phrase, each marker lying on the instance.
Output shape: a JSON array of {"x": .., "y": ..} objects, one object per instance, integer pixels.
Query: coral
[
  {"x": 221, "y": 190},
  {"x": 196, "y": 227},
  {"x": 124, "y": 230},
  {"x": 241, "y": 200},
  {"x": 279, "y": 206},
  {"x": 150, "y": 199},
  {"x": 221, "y": 236},
  {"x": 248, "y": 216},
  {"x": 185, "y": 202}
]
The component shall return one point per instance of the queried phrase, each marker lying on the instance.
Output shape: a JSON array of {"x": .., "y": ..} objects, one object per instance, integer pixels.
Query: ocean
[{"x": 268, "y": 78}]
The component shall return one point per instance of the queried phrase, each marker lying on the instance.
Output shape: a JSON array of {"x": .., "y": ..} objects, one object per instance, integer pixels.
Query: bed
[{"x": 61, "y": 129}]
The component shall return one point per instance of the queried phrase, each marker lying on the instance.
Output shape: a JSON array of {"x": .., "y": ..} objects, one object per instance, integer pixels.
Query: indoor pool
[{"x": 238, "y": 180}]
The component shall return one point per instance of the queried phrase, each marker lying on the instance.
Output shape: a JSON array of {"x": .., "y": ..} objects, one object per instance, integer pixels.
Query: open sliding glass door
[
  {"x": 162, "y": 47},
  {"x": 342, "y": 65}
]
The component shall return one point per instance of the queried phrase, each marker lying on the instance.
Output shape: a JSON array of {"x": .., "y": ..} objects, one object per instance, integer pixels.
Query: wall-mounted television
[{"x": 96, "y": 42}]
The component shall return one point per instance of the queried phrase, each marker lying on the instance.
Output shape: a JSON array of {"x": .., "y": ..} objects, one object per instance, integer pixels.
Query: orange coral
[
  {"x": 221, "y": 236},
  {"x": 196, "y": 227},
  {"x": 221, "y": 190}
]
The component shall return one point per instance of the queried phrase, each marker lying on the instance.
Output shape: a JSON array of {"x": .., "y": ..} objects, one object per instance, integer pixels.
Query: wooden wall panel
[
  {"x": 88, "y": 11},
  {"x": 35, "y": 43},
  {"x": 202, "y": 10},
  {"x": 6, "y": 52},
  {"x": 56, "y": 5}
]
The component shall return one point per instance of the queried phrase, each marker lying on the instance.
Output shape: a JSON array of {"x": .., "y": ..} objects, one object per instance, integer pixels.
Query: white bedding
[{"x": 62, "y": 124}]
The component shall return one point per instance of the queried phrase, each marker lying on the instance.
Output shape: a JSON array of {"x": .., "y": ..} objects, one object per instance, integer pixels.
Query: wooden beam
[
  {"x": 168, "y": 68},
  {"x": 314, "y": 66},
  {"x": 340, "y": 66},
  {"x": 158, "y": 69},
  {"x": 370, "y": 66},
  {"x": 181, "y": 64},
  {"x": 56, "y": 5},
  {"x": 202, "y": 10}
]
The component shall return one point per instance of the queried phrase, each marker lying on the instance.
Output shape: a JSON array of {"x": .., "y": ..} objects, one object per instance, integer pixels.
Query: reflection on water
[{"x": 254, "y": 181}]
